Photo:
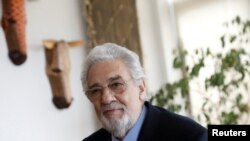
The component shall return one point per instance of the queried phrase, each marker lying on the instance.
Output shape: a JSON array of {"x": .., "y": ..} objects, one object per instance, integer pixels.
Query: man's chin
[
  {"x": 117, "y": 125},
  {"x": 112, "y": 120}
]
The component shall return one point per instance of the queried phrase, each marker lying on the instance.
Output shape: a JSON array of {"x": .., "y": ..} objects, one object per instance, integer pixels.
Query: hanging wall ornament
[
  {"x": 13, "y": 23},
  {"x": 113, "y": 21},
  {"x": 58, "y": 70}
]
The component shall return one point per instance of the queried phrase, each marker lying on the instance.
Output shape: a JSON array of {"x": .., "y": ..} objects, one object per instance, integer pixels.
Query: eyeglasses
[{"x": 116, "y": 87}]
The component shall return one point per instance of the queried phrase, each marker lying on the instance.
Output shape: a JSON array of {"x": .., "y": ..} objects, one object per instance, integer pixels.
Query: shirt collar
[{"x": 134, "y": 132}]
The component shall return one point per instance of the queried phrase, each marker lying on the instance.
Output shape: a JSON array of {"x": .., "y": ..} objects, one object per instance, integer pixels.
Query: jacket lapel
[{"x": 150, "y": 124}]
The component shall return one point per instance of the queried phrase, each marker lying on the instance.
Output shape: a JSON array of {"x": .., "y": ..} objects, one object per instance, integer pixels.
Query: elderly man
[{"x": 114, "y": 82}]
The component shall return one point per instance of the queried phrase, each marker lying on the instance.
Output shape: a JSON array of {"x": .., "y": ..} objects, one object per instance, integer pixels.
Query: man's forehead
[
  {"x": 107, "y": 70},
  {"x": 114, "y": 77},
  {"x": 108, "y": 80}
]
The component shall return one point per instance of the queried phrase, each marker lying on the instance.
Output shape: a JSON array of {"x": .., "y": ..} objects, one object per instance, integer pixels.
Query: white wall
[
  {"x": 26, "y": 109},
  {"x": 151, "y": 42}
]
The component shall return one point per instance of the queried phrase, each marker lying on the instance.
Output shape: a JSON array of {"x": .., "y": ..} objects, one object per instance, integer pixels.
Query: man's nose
[{"x": 107, "y": 96}]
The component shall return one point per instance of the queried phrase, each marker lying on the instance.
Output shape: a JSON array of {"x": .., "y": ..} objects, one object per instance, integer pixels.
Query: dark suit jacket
[{"x": 161, "y": 125}]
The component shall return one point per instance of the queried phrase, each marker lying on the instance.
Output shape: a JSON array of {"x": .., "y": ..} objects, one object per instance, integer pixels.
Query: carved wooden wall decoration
[
  {"x": 13, "y": 23},
  {"x": 113, "y": 21},
  {"x": 58, "y": 70}
]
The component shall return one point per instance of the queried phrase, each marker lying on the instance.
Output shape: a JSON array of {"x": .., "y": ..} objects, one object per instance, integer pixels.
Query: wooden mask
[
  {"x": 13, "y": 23},
  {"x": 58, "y": 70}
]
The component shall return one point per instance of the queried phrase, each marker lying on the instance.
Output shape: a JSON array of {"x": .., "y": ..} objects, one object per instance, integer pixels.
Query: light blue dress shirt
[{"x": 134, "y": 132}]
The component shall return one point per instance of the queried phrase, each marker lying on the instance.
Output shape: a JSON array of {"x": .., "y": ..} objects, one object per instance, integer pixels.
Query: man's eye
[
  {"x": 116, "y": 85},
  {"x": 94, "y": 91}
]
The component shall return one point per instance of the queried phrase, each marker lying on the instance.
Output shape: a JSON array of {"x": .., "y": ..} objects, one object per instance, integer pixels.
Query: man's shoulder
[
  {"x": 101, "y": 134},
  {"x": 172, "y": 126},
  {"x": 171, "y": 119}
]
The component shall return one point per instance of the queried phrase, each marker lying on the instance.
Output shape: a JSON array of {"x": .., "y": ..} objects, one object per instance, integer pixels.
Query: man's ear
[{"x": 142, "y": 88}]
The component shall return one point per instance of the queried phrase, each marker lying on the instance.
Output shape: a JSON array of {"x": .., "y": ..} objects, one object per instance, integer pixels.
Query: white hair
[{"x": 111, "y": 51}]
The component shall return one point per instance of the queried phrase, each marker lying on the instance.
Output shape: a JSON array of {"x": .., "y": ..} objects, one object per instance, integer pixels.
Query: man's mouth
[{"x": 112, "y": 112}]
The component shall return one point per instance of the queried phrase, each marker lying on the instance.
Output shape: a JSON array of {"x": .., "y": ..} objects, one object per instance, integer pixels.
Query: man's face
[{"x": 119, "y": 102}]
